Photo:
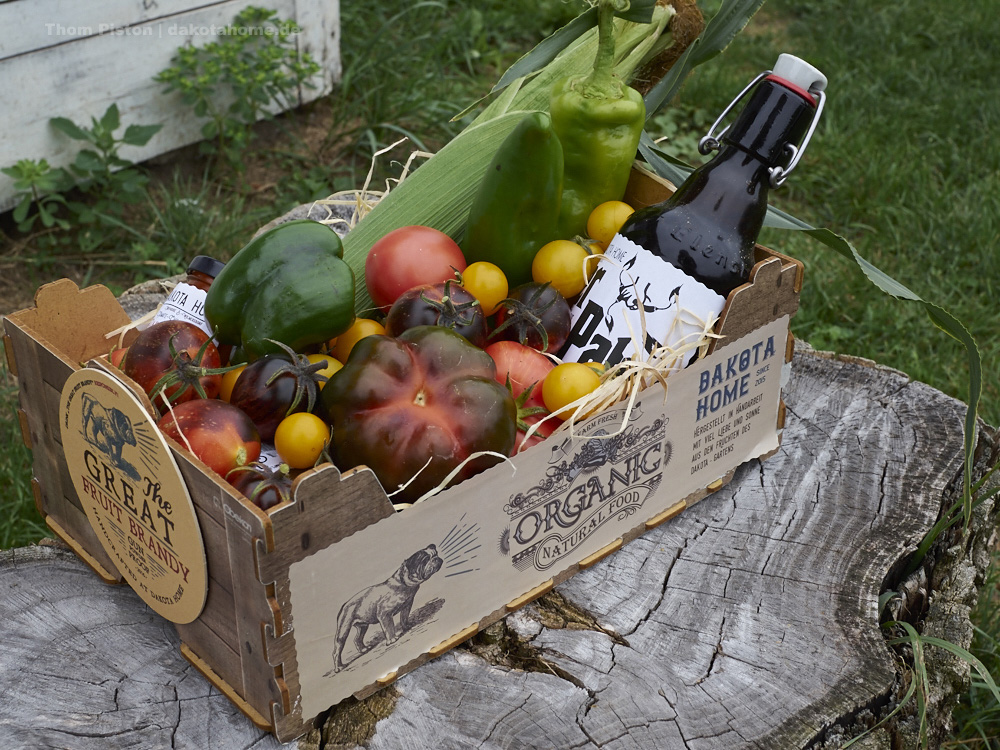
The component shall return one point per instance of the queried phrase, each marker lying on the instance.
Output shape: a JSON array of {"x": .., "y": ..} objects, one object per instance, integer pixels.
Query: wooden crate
[
  {"x": 270, "y": 631},
  {"x": 74, "y": 59}
]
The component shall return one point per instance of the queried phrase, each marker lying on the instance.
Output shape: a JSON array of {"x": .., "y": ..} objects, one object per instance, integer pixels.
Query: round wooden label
[{"x": 133, "y": 493}]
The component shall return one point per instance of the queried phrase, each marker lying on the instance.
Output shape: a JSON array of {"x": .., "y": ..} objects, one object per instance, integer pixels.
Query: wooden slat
[
  {"x": 530, "y": 596},
  {"x": 771, "y": 294},
  {"x": 57, "y": 49},
  {"x": 22, "y": 420},
  {"x": 8, "y": 349},
  {"x": 666, "y": 515}
]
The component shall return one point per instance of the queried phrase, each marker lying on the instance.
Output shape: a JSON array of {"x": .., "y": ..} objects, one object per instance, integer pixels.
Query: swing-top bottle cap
[{"x": 799, "y": 73}]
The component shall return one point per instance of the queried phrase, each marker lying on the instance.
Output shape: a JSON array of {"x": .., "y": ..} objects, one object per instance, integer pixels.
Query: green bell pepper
[
  {"x": 599, "y": 120},
  {"x": 516, "y": 208},
  {"x": 288, "y": 284}
]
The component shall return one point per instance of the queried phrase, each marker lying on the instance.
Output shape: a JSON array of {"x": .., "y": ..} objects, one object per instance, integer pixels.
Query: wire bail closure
[{"x": 711, "y": 141}]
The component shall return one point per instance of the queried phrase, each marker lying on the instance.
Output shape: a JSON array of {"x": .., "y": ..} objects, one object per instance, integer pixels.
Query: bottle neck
[{"x": 775, "y": 116}]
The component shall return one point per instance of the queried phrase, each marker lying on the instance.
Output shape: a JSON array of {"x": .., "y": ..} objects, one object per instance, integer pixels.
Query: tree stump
[{"x": 749, "y": 621}]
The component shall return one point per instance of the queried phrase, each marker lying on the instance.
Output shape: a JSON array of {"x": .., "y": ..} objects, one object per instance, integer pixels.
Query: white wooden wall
[{"x": 73, "y": 58}]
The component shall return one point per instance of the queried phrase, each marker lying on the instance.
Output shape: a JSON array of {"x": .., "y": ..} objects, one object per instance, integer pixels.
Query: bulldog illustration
[
  {"x": 383, "y": 603},
  {"x": 109, "y": 430}
]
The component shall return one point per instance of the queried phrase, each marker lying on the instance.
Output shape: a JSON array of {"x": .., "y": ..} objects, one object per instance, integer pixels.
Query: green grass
[
  {"x": 904, "y": 166},
  {"x": 20, "y": 523},
  {"x": 977, "y": 718}
]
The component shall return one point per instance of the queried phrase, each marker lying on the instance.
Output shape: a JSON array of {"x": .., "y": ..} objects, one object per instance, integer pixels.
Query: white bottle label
[
  {"x": 187, "y": 303},
  {"x": 269, "y": 456},
  {"x": 635, "y": 296}
]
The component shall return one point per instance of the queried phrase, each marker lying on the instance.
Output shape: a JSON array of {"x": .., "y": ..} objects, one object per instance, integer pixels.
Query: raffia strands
[{"x": 627, "y": 379}]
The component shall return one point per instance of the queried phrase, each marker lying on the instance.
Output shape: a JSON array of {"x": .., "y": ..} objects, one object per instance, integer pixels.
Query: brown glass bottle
[
  {"x": 707, "y": 229},
  {"x": 187, "y": 300}
]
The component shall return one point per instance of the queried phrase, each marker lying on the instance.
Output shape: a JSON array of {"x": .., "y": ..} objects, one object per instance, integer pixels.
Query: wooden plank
[
  {"x": 48, "y": 23},
  {"x": 119, "y": 68}
]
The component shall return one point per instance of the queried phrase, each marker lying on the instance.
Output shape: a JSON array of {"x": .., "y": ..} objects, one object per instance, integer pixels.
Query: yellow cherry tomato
[
  {"x": 332, "y": 365},
  {"x": 487, "y": 283},
  {"x": 359, "y": 329},
  {"x": 606, "y": 219},
  {"x": 560, "y": 263},
  {"x": 300, "y": 439},
  {"x": 228, "y": 381},
  {"x": 566, "y": 383}
]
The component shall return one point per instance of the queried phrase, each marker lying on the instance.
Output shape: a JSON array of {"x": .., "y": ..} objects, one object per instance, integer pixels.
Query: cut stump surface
[{"x": 749, "y": 621}]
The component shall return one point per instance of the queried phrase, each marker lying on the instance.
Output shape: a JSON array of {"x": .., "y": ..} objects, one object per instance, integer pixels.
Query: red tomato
[
  {"x": 116, "y": 355},
  {"x": 150, "y": 358},
  {"x": 408, "y": 257},
  {"x": 219, "y": 434},
  {"x": 526, "y": 367}
]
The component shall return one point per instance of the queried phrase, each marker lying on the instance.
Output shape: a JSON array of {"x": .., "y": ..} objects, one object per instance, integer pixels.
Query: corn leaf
[
  {"x": 723, "y": 27},
  {"x": 438, "y": 194}
]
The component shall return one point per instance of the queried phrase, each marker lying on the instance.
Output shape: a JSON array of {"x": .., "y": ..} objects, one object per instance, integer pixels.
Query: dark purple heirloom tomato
[
  {"x": 276, "y": 385},
  {"x": 177, "y": 358},
  {"x": 442, "y": 304},
  {"x": 533, "y": 314},
  {"x": 418, "y": 405}
]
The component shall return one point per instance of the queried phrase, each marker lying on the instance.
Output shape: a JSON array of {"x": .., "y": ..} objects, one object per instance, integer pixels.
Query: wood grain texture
[
  {"x": 90, "y": 667},
  {"x": 71, "y": 59},
  {"x": 748, "y": 621}
]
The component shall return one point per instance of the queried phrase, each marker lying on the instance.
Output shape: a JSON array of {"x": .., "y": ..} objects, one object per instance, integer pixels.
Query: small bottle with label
[
  {"x": 671, "y": 266},
  {"x": 187, "y": 300}
]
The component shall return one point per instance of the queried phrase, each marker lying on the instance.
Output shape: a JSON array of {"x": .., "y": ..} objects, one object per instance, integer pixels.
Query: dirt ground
[{"x": 309, "y": 131}]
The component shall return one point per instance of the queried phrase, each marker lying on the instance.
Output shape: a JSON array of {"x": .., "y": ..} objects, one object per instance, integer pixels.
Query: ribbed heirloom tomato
[{"x": 417, "y": 406}]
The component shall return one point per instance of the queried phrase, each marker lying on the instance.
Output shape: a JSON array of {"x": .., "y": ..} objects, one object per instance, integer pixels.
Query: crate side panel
[
  {"x": 71, "y": 322},
  {"x": 40, "y": 379},
  {"x": 247, "y": 533},
  {"x": 486, "y": 542}
]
